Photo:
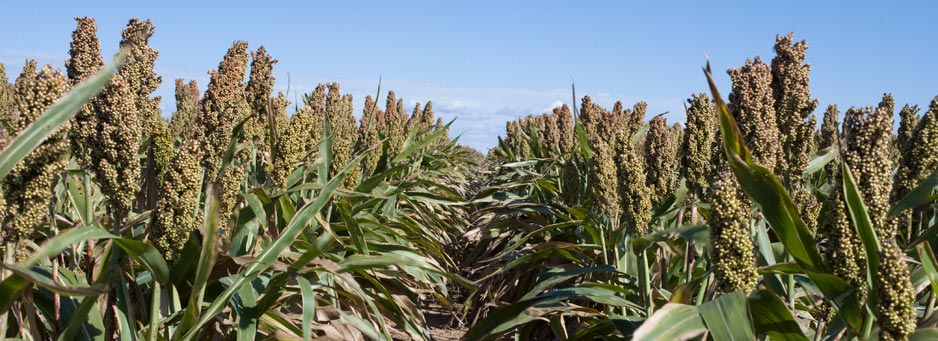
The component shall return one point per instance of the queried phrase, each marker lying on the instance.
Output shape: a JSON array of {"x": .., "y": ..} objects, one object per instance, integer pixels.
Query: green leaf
[
  {"x": 58, "y": 114},
  {"x": 65, "y": 239},
  {"x": 672, "y": 322},
  {"x": 409, "y": 148},
  {"x": 927, "y": 257},
  {"x": 920, "y": 195},
  {"x": 304, "y": 216},
  {"x": 207, "y": 257},
  {"x": 146, "y": 255},
  {"x": 861, "y": 222},
  {"x": 822, "y": 158},
  {"x": 924, "y": 334},
  {"x": 501, "y": 321},
  {"x": 640, "y": 133},
  {"x": 727, "y": 317},
  {"x": 309, "y": 306},
  {"x": 771, "y": 317},
  {"x": 47, "y": 282}
]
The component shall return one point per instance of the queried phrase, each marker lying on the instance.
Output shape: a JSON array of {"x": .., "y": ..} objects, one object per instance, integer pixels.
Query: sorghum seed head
[
  {"x": 660, "y": 159},
  {"x": 895, "y": 308},
  {"x": 793, "y": 109},
  {"x": 138, "y": 70},
  {"x": 699, "y": 137},
  {"x": 867, "y": 139},
  {"x": 635, "y": 202},
  {"x": 258, "y": 93},
  {"x": 28, "y": 188},
  {"x": 85, "y": 52},
  {"x": 841, "y": 247},
  {"x": 113, "y": 145},
  {"x": 221, "y": 107},
  {"x": 752, "y": 105},
  {"x": 187, "y": 107},
  {"x": 733, "y": 252},
  {"x": 178, "y": 202}
]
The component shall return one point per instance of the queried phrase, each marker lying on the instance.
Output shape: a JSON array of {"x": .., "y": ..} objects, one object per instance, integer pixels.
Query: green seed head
[
  {"x": 394, "y": 122},
  {"x": 733, "y": 252},
  {"x": 660, "y": 159},
  {"x": 368, "y": 137},
  {"x": 344, "y": 130},
  {"x": 908, "y": 120},
  {"x": 138, "y": 71},
  {"x": 829, "y": 136},
  {"x": 841, "y": 247},
  {"x": 259, "y": 89},
  {"x": 793, "y": 109},
  {"x": 187, "y": 107},
  {"x": 28, "y": 188},
  {"x": 699, "y": 137},
  {"x": 918, "y": 147},
  {"x": 162, "y": 146},
  {"x": 300, "y": 137},
  {"x": 895, "y": 304},
  {"x": 635, "y": 202},
  {"x": 867, "y": 140},
  {"x": 752, "y": 105},
  {"x": 176, "y": 210},
  {"x": 114, "y": 143}
]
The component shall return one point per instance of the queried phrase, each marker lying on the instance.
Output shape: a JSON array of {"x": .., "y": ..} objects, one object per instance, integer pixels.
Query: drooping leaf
[
  {"x": 672, "y": 322},
  {"x": 727, "y": 317},
  {"x": 771, "y": 317}
]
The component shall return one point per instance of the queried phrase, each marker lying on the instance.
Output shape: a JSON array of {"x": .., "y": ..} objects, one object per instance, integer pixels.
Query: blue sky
[{"x": 488, "y": 62}]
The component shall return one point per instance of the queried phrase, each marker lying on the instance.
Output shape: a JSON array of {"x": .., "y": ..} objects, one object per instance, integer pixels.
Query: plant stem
[{"x": 645, "y": 284}]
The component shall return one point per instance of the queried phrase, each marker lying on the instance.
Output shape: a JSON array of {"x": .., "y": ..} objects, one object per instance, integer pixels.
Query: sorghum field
[{"x": 233, "y": 220}]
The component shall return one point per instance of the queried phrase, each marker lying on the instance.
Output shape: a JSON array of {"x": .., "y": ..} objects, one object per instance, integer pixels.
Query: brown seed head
[
  {"x": 699, "y": 137},
  {"x": 752, "y": 105}
]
